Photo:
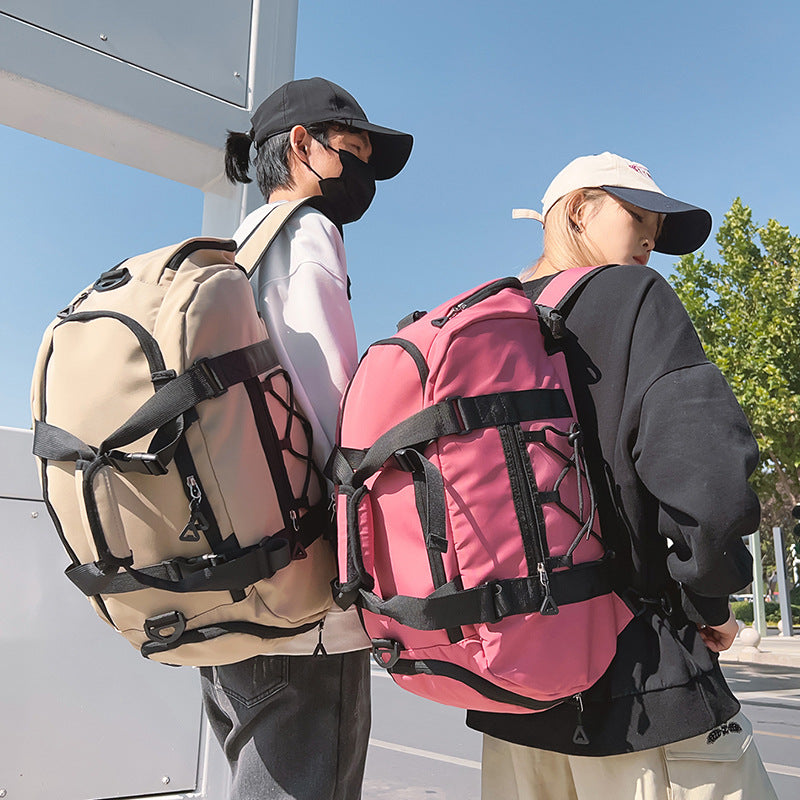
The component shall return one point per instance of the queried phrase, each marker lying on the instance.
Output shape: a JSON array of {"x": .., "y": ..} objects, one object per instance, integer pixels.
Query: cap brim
[
  {"x": 685, "y": 227},
  {"x": 390, "y": 149}
]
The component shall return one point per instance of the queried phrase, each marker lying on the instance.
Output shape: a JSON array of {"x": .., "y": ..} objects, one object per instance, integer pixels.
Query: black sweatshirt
[{"x": 665, "y": 435}]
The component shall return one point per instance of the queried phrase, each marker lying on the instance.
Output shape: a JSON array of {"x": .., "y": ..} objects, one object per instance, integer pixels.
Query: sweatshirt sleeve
[
  {"x": 694, "y": 452},
  {"x": 303, "y": 295}
]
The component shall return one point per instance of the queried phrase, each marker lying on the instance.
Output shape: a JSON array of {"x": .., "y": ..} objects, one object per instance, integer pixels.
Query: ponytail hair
[{"x": 237, "y": 156}]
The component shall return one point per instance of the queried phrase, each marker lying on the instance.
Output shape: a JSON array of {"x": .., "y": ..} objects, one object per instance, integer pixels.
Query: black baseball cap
[{"x": 313, "y": 100}]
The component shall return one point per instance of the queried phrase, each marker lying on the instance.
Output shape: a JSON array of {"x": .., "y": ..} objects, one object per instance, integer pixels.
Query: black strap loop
[
  {"x": 210, "y": 573},
  {"x": 161, "y": 413},
  {"x": 209, "y": 632},
  {"x": 206, "y": 379},
  {"x": 433, "y": 513},
  {"x": 462, "y": 415},
  {"x": 56, "y": 444},
  {"x": 448, "y": 607}
]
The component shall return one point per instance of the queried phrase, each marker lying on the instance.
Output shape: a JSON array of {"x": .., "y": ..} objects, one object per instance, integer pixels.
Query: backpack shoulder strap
[
  {"x": 252, "y": 250},
  {"x": 563, "y": 287}
]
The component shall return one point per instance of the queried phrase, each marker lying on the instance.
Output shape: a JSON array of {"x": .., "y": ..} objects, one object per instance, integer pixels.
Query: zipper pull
[
  {"x": 319, "y": 650},
  {"x": 194, "y": 491},
  {"x": 549, "y": 607},
  {"x": 441, "y": 321},
  {"x": 332, "y": 506},
  {"x": 197, "y": 522},
  {"x": 70, "y": 309},
  {"x": 580, "y": 737}
]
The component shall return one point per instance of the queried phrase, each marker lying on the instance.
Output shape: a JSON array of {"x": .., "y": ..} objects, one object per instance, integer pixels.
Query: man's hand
[{"x": 719, "y": 637}]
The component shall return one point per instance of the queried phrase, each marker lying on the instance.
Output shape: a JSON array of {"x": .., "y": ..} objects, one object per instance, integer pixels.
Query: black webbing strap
[
  {"x": 430, "y": 423},
  {"x": 511, "y": 408},
  {"x": 485, "y": 688},
  {"x": 432, "y": 511},
  {"x": 312, "y": 525},
  {"x": 213, "y": 631},
  {"x": 148, "y": 344},
  {"x": 462, "y": 415},
  {"x": 342, "y": 463},
  {"x": 429, "y": 493},
  {"x": 205, "y": 379},
  {"x": 56, "y": 444},
  {"x": 212, "y": 573},
  {"x": 345, "y": 594},
  {"x": 161, "y": 412},
  {"x": 200, "y": 574},
  {"x": 270, "y": 444},
  {"x": 450, "y": 608}
]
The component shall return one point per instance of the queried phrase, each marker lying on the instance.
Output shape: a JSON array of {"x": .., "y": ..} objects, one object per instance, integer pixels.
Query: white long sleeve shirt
[{"x": 301, "y": 291}]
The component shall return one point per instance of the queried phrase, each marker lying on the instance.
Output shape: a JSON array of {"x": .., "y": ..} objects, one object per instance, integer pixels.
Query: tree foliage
[{"x": 746, "y": 309}]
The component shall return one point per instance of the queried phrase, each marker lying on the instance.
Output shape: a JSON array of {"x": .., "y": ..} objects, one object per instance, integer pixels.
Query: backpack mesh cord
[
  {"x": 576, "y": 461},
  {"x": 293, "y": 416}
]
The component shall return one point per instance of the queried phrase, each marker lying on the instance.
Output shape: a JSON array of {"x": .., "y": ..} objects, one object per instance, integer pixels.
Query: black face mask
[{"x": 346, "y": 197}]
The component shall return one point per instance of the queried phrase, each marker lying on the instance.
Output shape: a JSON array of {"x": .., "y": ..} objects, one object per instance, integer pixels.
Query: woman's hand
[{"x": 720, "y": 637}]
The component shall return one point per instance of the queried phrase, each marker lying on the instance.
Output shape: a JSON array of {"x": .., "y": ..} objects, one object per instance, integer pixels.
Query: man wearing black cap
[{"x": 295, "y": 723}]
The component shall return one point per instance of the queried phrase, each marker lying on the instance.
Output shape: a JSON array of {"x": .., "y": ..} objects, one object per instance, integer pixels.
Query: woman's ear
[
  {"x": 576, "y": 210},
  {"x": 582, "y": 206}
]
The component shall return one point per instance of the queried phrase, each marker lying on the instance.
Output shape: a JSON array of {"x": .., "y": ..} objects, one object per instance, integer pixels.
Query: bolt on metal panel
[
  {"x": 84, "y": 715},
  {"x": 202, "y": 44}
]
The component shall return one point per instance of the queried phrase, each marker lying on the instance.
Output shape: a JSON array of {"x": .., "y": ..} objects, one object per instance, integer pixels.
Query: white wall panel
[{"x": 83, "y": 715}]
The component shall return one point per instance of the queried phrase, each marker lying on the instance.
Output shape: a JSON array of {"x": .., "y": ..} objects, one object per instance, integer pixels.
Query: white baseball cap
[{"x": 685, "y": 227}]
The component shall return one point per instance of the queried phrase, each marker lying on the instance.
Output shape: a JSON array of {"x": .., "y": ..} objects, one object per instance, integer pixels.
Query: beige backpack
[{"x": 174, "y": 461}]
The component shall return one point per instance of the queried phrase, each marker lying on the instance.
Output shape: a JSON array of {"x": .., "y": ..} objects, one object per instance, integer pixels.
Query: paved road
[
  {"x": 770, "y": 696},
  {"x": 419, "y": 750},
  {"x": 423, "y": 751}
]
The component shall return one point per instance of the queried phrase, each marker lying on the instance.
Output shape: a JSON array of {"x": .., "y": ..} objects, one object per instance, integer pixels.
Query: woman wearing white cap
[{"x": 671, "y": 451}]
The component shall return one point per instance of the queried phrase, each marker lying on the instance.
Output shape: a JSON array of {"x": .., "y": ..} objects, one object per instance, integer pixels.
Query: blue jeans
[{"x": 292, "y": 727}]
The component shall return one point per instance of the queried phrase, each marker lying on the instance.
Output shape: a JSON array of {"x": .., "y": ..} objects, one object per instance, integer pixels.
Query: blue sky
[{"x": 499, "y": 96}]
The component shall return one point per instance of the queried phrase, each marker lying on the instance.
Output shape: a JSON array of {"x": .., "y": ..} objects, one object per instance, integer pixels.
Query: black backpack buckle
[
  {"x": 166, "y": 628},
  {"x": 385, "y": 652},
  {"x": 112, "y": 279}
]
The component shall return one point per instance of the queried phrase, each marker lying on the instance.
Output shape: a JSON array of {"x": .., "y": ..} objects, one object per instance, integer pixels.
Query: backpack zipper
[
  {"x": 475, "y": 298},
  {"x": 514, "y": 446}
]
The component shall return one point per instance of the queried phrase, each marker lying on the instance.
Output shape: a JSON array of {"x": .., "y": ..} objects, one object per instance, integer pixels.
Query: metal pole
[
  {"x": 783, "y": 583},
  {"x": 759, "y": 615}
]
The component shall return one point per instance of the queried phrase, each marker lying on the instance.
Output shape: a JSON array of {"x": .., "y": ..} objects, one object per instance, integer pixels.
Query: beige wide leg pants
[{"x": 722, "y": 764}]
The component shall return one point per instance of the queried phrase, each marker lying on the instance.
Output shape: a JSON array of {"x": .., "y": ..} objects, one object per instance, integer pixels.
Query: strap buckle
[
  {"x": 344, "y": 597},
  {"x": 203, "y": 366},
  {"x": 385, "y": 652},
  {"x": 145, "y": 463},
  {"x": 166, "y": 628},
  {"x": 499, "y": 601},
  {"x": 195, "y": 563},
  {"x": 404, "y": 461},
  {"x": 461, "y": 415}
]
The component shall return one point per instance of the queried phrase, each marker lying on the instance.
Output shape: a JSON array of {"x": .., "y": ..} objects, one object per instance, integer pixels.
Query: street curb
[
  {"x": 750, "y": 655},
  {"x": 748, "y": 648}
]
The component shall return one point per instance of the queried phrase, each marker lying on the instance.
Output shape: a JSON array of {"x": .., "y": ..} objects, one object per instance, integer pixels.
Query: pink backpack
[{"x": 468, "y": 533}]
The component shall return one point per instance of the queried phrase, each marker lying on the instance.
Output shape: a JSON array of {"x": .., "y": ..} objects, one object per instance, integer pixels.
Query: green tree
[{"x": 746, "y": 309}]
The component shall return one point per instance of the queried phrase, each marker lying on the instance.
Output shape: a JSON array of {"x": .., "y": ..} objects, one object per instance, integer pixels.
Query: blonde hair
[{"x": 564, "y": 246}]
